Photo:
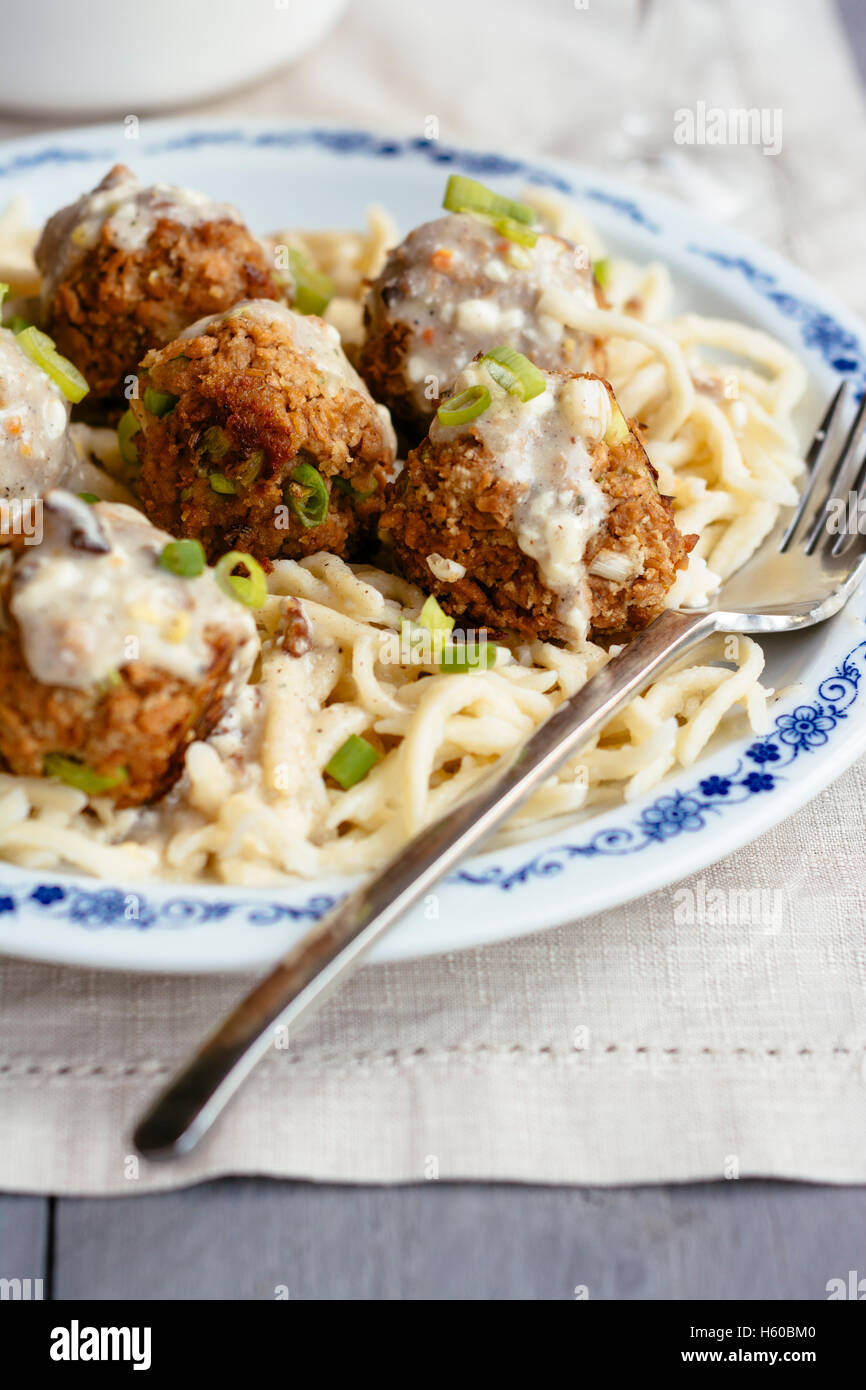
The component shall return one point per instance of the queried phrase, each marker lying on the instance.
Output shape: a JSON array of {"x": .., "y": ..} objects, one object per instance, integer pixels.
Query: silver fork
[{"x": 802, "y": 575}]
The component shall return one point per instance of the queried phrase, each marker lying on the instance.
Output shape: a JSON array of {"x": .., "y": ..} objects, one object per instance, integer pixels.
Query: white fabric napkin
[{"x": 634, "y": 1046}]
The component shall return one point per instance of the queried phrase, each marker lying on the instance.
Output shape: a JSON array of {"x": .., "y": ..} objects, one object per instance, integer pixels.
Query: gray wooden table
[{"x": 244, "y": 1238}]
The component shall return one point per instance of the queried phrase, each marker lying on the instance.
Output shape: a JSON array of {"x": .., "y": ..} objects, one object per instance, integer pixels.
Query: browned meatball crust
[
  {"x": 109, "y": 660},
  {"x": 260, "y": 394},
  {"x": 143, "y": 723},
  {"x": 126, "y": 268},
  {"x": 455, "y": 504}
]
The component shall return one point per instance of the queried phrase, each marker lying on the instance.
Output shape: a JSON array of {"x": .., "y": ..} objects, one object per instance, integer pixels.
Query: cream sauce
[
  {"x": 93, "y": 597},
  {"x": 129, "y": 213},
  {"x": 34, "y": 416},
  {"x": 543, "y": 449},
  {"x": 468, "y": 289}
]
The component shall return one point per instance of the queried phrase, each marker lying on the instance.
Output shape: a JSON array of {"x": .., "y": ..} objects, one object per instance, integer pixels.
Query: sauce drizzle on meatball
[{"x": 540, "y": 516}]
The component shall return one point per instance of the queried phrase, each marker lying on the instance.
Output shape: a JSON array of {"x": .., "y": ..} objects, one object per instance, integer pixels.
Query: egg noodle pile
[{"x": 715, "y": 400}]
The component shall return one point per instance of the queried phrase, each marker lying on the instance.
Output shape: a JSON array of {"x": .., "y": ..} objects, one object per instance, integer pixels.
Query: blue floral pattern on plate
[{"x": 760, "y": 770}]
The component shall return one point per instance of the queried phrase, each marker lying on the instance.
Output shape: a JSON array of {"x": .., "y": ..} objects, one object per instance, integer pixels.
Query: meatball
[
  {"x": 110, "y": 663},
  {"x": 126, "y": 268},
  {"x": 34, "y": 416},
  {"x": 539, "y": 516},
  {"x": 456, "y": 287},
  {"x": 256, "y": 433}
]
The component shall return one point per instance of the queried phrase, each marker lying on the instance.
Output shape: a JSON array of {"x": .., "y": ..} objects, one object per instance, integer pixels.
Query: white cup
[{"x": 99, "y": 57}]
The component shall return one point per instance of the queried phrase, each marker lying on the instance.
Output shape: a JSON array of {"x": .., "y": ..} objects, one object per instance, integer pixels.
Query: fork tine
[
  {"x": 851, "y": 554},
  {"x": 844, "y": 538},
  {"x": 845, "y": 464},
  {"x": 815, "y": 458}
]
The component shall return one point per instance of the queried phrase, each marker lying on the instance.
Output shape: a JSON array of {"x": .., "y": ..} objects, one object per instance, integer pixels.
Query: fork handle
[{"x": 309, "y": 971}]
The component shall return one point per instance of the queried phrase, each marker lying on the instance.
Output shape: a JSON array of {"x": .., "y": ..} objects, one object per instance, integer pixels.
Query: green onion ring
[
  {"x": 249, "y": 589},
  {"x": 514, "y": 373},
  {"x": 221, "y": 484},
  {"x": 159, "y": 403},
  {"x": 184, "y": 558},
  {"x": 41, "y": 350},
  {"x": 467, "y": 406},
  {"x": 307, "y": 495}
]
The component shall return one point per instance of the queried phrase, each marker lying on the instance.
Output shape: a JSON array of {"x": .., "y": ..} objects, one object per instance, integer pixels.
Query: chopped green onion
[
  {"x": 250, "y": 589},
  {"x": 251, "y": 468},
  {"x": 16, "y": 324},
  {"x": 4, "y": 290},
  {"x": 455, "y": 661},
  {"x": 76, "y": 774},
  {"x": 216, "y": 442},
  {"x": 307, "y": 495},
  {"x": 88, "y": 497},
  {"x": 351, "y": 762},
  {"x": 127, "y": 428},
  {"x": 185, "y": 558},
  {"x": 159, "y": 403},
  {"x": 511, "y": 229},
  {"x": 355, "y": 493},
  {"x": 313, "y": 290},
  {"x": 515, "y": 231},
  {"x": 467, "y": 406},
  {"x": 434, "y": 617},
  {"x": 601, "y": 270},
  {"x": 514, "y": 373},
  {"x": 467, "y": 195},
  {"x": 220, "y": 483},
  {"x": 41, "y": 350}
]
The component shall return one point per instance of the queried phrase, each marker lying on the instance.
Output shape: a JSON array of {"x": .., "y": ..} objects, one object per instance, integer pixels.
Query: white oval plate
[{"x": 319, "y": 177}]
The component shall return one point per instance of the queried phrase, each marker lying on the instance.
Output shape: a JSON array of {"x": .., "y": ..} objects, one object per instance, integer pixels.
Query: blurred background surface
[{"x": 598, "y": 81}]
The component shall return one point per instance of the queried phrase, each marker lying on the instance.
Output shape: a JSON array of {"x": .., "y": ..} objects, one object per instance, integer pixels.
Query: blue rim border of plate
[{"x": 760, "y": 771}]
